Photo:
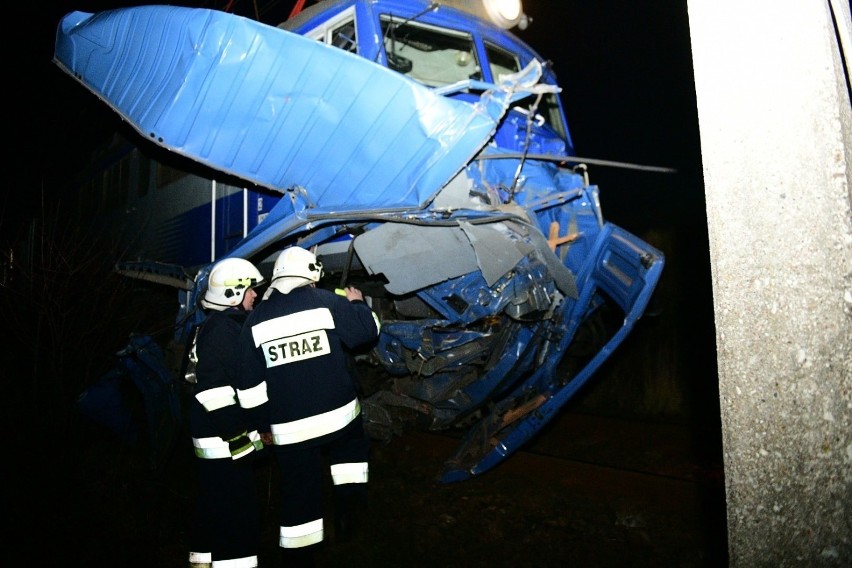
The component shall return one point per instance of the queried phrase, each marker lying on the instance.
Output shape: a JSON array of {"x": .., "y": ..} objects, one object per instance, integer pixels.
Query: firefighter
[
  {"x": 299, "y": 342},
  {"x": 225, "y": 529}
]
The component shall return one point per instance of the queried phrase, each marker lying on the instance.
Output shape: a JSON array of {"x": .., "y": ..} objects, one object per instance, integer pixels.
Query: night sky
[{"x": 626, "y": 73}]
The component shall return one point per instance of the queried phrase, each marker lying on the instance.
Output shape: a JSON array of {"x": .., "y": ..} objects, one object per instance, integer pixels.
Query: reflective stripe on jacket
[{"x": 215, "y": 448}]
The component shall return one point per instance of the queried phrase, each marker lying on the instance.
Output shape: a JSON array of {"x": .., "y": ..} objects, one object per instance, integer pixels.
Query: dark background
[{"x": 626, "y": 73}]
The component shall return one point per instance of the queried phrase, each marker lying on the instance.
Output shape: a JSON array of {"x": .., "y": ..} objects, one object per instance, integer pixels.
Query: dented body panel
[{"x": 424, "y": 155}]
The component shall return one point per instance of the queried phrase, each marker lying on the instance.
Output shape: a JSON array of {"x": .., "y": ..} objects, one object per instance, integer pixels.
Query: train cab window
[
  {"x": 343, "y": 37},
  {"x": 338, "y": 32},
  {"x": 502, "y": 62},
  {"x": 549, "y": 109},
  {"x": 430, "y": 55}
]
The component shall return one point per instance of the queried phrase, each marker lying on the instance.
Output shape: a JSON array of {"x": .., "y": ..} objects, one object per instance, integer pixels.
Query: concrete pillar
[{"x": 773, "y": 94}]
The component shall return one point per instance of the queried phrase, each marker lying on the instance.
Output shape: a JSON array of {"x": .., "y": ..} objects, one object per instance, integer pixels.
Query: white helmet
[
  {"x": 227, "y": 283},
  {"x": 295, "y": 267}
]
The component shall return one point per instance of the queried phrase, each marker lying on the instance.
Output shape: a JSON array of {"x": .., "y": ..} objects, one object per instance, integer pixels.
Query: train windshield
[
  {"x": 502, "y": 62},
  {"x": 430, "y": 55},
  {"x": 436, "y": 57}
]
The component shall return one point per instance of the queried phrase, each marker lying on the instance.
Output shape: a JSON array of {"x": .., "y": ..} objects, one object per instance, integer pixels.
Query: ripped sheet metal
[{"x": 278, "y": 109}]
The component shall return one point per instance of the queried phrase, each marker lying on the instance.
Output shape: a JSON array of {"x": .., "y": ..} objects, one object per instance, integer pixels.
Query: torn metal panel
[
  {"x": 413, "y": 257},
  {"x": 276, "y": 108},
  {"x": 496, "y": 251},
  {"x": 446, "y": 202}
]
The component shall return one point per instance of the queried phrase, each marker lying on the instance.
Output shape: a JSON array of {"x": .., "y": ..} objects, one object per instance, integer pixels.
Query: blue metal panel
[
  {"x": 541, "y": 392},
  {"x": 276, "y": 108},
  {"x": 361, "y": 155}
]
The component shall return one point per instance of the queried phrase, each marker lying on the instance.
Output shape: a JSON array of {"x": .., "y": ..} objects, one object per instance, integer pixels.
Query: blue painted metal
[
  {"x": 492, "y": 256},
  {"x": 621, "y": 267},
  {"x": 276, "y": 108}
]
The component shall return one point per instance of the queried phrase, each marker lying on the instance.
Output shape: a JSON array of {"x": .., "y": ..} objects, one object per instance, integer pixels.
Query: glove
[{"x": 240, "y": 446}]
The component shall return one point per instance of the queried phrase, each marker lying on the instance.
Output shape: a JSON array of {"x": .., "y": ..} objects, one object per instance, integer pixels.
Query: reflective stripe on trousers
[{"x": 315, "y": 426}]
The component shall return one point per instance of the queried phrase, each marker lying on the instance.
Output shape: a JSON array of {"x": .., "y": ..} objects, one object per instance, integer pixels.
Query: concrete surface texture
[{"x": 773, "y": 97}]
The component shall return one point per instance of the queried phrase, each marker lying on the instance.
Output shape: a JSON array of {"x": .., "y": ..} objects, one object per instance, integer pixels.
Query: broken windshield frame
[
  {"x": 437, "y": 57},
  {"x": 441, "y": 58}
]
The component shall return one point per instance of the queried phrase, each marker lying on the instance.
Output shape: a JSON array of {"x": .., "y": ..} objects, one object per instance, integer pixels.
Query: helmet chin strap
[{"x": 289, "y": 276}]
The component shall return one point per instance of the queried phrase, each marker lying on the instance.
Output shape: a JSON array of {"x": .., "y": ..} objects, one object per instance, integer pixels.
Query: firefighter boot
[
  {"x": 348, "y": 504},
  {"x": 298, "y": 557}
]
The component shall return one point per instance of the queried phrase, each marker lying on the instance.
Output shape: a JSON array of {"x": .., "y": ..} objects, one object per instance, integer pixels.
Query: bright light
[
  {"x": 505, "y": 13},
  {"x": 509, "y": 9}
]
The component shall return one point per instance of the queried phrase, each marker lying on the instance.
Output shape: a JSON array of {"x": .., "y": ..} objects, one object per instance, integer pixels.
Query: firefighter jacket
[
  {"x": 219, "y": 409},
  {"x": 297, "y": 343}
]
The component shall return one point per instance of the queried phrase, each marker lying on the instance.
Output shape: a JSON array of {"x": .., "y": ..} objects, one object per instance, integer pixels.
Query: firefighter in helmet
[
  {"x": 226, "y": 522},
  {"x": 299, "y": 342}
]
